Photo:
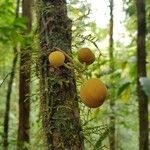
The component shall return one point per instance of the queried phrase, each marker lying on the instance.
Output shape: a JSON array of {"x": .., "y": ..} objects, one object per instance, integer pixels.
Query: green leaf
[
  {"x": 123, "y": 87},
  {"x": 145, "y": 82},
  {"x": 98, "y": 145}
]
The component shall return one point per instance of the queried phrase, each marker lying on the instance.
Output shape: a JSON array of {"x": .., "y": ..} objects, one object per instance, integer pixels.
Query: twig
[
  {"x": 71, "y": 60},
  {"x": 83, "y": 16},
  {"x": 5, "y": 79}
]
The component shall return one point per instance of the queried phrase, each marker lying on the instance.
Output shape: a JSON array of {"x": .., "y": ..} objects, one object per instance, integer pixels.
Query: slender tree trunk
[
  {"x": 111, "y": 57},
  {"x": 59, "y": 106},
  {"x": 24, "y": 85},
  {"x": 9, "y": 91},
  {"x": 8, "y": 97},
  {"x": 141, "y": 72}
]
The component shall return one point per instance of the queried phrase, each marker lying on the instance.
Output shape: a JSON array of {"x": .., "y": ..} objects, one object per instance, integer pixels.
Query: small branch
[
  {"x": 83, "y": 16},
  {"x": 72, "y": 65},
  {"x": 5, "y": 79},
  {"x": 70, "y": 59}
]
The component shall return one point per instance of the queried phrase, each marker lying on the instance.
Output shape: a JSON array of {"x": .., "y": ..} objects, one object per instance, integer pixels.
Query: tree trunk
[
  {"x": 24, "y": 85},
  {"x": 141, "y": 72},
  {"x": 112, "y": 101},
  {"x": 59, "y": 105},
  {"x": 8, "y": 97}
]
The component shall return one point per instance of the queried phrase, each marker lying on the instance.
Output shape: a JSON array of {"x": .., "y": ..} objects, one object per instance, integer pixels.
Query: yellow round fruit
[
  {"x": 56, "y": 58},
  {"x": 93, "y": 93},
  {"x": 85, "y": 55}
]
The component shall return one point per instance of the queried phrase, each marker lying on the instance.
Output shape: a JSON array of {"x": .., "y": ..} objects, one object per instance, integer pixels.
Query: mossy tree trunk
[
  {"x": 141, "y": 72},
  {"x": 24, "y": 81},
  {"x": 59, "y": 106}
]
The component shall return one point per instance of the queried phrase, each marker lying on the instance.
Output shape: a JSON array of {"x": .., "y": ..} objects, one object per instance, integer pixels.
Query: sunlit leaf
[{"x": 125, "y": 96}]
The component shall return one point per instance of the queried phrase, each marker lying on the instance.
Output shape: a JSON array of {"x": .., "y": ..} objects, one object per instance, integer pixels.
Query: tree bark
[
  {"x": 112, "y": 101},
  {"x": 24, "y": 85},
  {"x": 9, "y": 91},
  {"x": 141, "y": 72},
  {"x": 59, "y": 105}
]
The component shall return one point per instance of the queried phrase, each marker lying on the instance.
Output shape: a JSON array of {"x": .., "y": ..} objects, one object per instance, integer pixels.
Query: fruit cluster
[{"x": 93, "y": 92}]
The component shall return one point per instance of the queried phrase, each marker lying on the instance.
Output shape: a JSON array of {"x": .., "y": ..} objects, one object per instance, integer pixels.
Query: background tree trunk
[
  {"x": 24, "y": 86},
  {"x": 141, "y": 72},
  {"x": 112, "y": 100},
  {"x": 59, "y": 106},
  {"x": 8, "y": 96}
]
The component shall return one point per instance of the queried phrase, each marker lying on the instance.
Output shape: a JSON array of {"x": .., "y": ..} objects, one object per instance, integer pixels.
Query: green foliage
[
  {"x": 102, "y": 137},
  {"x": 123, "y": 87},
  {"x": 130, "y": 7},
  {"x": 10, "y": 26}
]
